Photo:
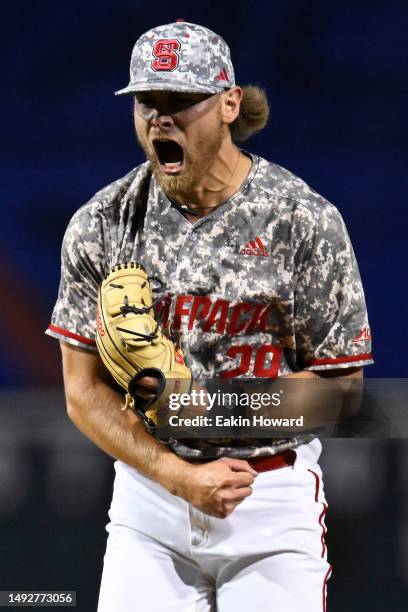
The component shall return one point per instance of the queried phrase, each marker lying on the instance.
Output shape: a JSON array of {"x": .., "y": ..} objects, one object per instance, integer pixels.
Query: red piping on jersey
[
  {"x": 345, "y": 359},
  {"x": 68, "y": 334}
]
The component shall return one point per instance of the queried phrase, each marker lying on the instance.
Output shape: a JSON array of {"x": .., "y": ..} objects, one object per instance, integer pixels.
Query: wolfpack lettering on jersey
[
  {"x": 220, "y": 315},
  {"x": 265, "y": 285}
]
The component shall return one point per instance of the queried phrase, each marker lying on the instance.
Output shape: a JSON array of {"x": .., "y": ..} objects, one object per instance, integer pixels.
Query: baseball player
[{"x": 258, "y": 277}]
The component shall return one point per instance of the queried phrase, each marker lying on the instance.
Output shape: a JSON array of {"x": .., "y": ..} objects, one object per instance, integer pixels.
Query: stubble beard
[{"x": 196, "y": 165}]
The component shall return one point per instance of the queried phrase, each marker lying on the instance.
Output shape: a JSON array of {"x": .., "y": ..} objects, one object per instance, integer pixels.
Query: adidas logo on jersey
[
  {"x": 363, "y": 335},
  {"x": 255, "y": 247}
]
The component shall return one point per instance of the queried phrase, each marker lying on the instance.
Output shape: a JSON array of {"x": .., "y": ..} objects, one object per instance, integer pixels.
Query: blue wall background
[{"x": 335, "y": 74}]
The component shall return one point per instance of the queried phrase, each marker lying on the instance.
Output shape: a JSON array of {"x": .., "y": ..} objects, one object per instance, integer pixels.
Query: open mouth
[{"x": 170, "y": 155}]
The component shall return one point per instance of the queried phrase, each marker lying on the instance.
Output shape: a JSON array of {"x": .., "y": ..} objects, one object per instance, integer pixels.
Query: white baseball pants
[{"x": 269, "y": 555}]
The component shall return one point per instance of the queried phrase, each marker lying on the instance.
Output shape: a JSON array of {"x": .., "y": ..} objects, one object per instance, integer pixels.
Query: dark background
[{"x": 335, "y": 74}]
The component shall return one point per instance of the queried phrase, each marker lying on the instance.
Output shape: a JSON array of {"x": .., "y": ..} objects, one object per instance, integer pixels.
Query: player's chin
[
  {"x": 174, "y": 184},
  {"x": 167, "y": 176}
]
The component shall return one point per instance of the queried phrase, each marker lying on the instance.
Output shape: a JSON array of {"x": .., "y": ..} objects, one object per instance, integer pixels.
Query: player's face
[{"x": 180, "y": 134}]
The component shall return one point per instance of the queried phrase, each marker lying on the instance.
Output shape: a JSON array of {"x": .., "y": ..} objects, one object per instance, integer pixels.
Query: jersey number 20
[{"x": 264, "y": 354}]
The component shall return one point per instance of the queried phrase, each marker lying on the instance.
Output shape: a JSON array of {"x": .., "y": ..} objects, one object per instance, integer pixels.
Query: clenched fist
[{"x": 216, "y": 488}]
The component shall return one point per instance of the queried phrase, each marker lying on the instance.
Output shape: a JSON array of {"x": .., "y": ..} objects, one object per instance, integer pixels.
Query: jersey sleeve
[
  {"x": 331, "y": 324},
  {"x": 82, "y": 270}
]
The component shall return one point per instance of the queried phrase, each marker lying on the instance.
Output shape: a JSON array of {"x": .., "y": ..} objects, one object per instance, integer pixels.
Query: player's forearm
[
  {"x": 96, "y": 410},
  {"x": 318, "y": 400},
  {"x": 323, "y": 398}
]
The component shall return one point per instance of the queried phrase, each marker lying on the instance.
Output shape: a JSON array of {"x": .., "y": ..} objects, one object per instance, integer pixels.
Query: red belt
[{"x": 273, "y": 462}]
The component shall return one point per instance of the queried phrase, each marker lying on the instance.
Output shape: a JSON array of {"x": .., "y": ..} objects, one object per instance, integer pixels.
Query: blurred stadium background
[{"x": 336, "y": 78}]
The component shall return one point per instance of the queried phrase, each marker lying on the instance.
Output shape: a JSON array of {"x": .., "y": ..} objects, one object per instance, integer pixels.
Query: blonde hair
[{"x": 253, "y": 114}]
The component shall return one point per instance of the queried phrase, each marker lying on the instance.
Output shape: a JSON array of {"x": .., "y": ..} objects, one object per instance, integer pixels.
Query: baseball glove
[{"x": 132, "y": 343}]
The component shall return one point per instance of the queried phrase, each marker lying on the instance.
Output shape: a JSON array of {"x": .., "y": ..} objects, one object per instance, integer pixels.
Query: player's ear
[{"x": 230, "y": 103}]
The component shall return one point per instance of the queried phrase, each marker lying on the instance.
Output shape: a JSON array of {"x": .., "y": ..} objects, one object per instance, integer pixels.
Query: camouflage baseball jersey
[{"x": 265, "y": 285}]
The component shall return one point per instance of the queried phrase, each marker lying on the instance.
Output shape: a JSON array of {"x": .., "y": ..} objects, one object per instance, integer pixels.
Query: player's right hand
[{"x": 216, "y": 488}]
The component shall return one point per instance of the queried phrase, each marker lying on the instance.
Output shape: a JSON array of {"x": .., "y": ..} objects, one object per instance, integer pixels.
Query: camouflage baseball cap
[{"x": 180, "y": 56}]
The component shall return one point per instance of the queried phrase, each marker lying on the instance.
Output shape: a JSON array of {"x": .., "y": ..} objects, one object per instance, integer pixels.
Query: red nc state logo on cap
[{"x": 165, "y": 52}]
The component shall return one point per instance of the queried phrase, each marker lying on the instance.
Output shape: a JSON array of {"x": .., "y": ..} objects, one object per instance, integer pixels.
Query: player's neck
[{"x": 221, "y": 181}]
